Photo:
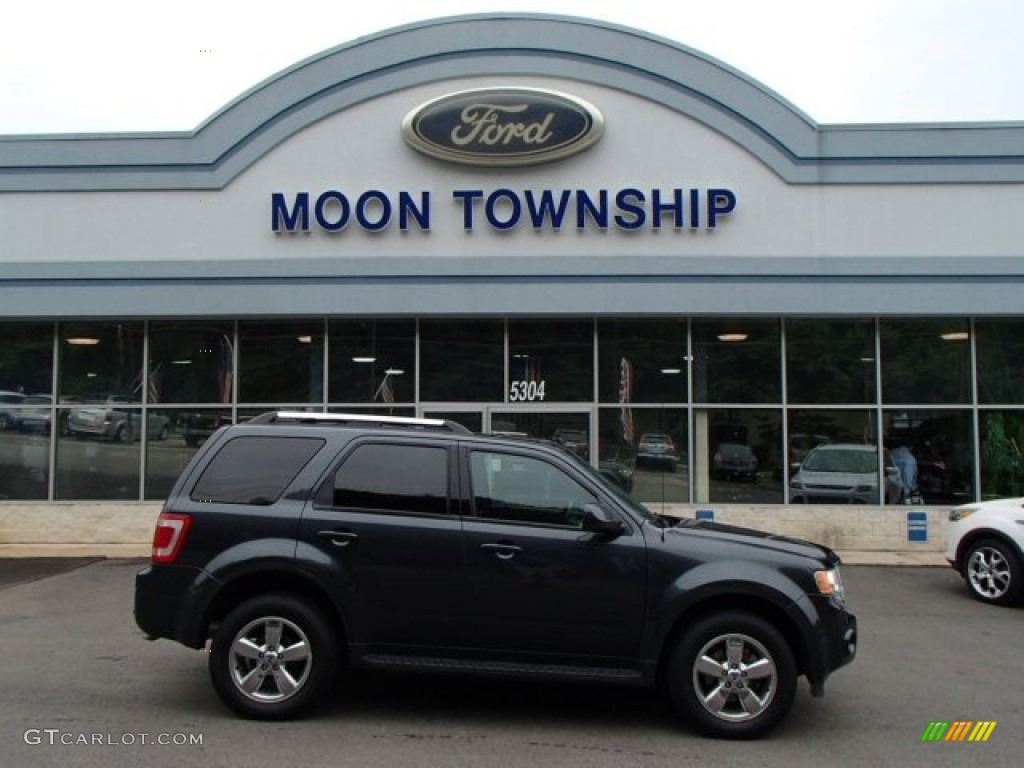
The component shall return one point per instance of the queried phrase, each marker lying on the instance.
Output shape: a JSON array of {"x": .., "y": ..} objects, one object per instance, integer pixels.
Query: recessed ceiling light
[
  {"x": 733, "y": 336},
  {"x": 956, "y": 336},
  {"x": 364, "y": 359},
  {"x": 83, "y": 341}
]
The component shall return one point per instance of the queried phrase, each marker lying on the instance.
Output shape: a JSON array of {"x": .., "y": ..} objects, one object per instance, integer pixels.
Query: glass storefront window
[
  {"x": 830, "y": 361},
  {"x": 1000, "y": 351},
  {"x": 570, "y": 430},
  {"x": 471, "y": 420},
  {"x": 550, "y": 361},
  {"x": 933, "y": 450},
  {"x": 26, "y": 362},
  {"x": 925, "y": 361},
  {"x": 1002, "y": 454},
  {"x": 832, "y": 457},
  {"x": 738, "y": 456},
  {"x": 191, "y": 362},
  {"x": 84, "y": 441},
  {"x": 645, "y": 452},
  {"x": 101, "y": 362},
  {"x": 97, "y": 453},
  {"x": 462, "y": 361},
  {"x": 642, "y": 361},
  {"x": 736, "y": 361},
  {"x": 281, "y": 362},
  {"x": 174, "y": 435},
  {"x": 24, "y": 464},
  {"x": 372, "y": 361}
]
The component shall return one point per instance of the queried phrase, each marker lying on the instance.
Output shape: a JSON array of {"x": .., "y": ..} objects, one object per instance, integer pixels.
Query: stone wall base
[{"x": 110, "y": 528}]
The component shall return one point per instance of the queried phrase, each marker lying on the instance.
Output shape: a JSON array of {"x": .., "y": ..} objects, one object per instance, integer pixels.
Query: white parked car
[{"x": 985, "y": 544}]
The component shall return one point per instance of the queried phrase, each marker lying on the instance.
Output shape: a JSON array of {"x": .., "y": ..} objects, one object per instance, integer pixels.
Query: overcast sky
[{"x": 81, "y": 66}]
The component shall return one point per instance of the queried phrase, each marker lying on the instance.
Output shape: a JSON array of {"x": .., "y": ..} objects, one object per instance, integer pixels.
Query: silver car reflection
[{"x": 844, "y": 473}]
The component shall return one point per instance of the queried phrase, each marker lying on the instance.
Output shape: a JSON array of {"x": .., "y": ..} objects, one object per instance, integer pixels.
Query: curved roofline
[{"x": 786, "y": 140}]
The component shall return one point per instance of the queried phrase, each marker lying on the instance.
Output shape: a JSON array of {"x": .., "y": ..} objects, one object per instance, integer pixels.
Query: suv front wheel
[
  {"x": 993, "y": 573},
  {"x": 272, "y": 657},
  {"x": 733, "y": 675}
]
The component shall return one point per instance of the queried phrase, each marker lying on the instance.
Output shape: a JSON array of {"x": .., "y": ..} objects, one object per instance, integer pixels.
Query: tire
[
  {"x": 273, "y": 657},
  {"x": 993, "y": 572},
  {"x": 733, "y": 676}
]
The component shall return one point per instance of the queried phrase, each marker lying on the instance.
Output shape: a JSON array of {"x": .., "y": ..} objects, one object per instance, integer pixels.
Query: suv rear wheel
[
  {"x": 272, "y": 657},
  {"x": 733, "y": 675}
]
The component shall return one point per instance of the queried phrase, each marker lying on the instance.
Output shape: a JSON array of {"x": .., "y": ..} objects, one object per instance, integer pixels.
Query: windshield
[{"x": 859, "y": 461}]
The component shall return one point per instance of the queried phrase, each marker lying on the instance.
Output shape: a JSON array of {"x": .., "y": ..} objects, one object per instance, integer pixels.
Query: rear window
[{"x": 254, "y": 470}]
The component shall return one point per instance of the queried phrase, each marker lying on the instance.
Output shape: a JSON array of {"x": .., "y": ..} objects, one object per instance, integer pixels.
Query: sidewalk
[{"x": 903, "y": 558}]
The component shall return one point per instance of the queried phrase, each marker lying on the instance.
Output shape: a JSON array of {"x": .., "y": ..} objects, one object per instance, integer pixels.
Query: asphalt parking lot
[{"x": 81, "y": 687}]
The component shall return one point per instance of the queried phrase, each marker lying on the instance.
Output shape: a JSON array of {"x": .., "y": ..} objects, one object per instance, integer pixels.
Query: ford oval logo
[{"x": 503, "y": 126}]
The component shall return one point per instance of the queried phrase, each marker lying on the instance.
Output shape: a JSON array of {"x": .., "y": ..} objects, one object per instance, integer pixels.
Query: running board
[{"x": 520, "y": 670}]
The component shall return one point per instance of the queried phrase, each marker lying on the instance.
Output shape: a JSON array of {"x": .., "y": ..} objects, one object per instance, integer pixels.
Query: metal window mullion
[
  {"x": 51, "y": 483},
  {"x": 975, "y": 413},
  {"x": 417, "y": 406},
  {"x": 785, "y": 411},
  {"x": 595, "y": 413},
  {"x": 235, "y": 359},
  {"x": 690, "y": 366},
  {"x": 879, "y": 417},
  {"x": 508, "y": 347},
  {"x": 325, "y": 357},
  {"x": 144, "y": 415}
]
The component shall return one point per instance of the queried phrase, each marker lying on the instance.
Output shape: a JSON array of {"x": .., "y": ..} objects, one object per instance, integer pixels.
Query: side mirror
[{"x": 599, "y": 521}]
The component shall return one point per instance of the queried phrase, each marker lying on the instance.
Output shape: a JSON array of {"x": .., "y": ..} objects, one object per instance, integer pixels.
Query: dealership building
[{"x": 531, "y": 224}]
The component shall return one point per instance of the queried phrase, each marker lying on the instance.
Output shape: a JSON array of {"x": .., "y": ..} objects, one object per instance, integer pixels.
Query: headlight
[
  {"x": 830, "y": 584},
  {"x": 960, "y": 513}
]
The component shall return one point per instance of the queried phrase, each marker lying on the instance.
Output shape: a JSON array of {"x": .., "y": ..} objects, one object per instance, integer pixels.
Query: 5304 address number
[{"x": 526, "y": 391}]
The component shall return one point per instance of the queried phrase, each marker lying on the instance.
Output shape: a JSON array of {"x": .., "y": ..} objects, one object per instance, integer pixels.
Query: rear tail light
[{"x": 169, "y": 536}]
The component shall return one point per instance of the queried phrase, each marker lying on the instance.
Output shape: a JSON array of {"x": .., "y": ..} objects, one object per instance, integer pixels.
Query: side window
[
  {"x": 254, "y": 470},
  {"x": 525, "y": 490},
  {"x": 391, "y": 478}
]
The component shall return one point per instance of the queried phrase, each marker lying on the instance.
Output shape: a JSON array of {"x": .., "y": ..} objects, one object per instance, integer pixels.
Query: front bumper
[{"x": 836, "y": 640}]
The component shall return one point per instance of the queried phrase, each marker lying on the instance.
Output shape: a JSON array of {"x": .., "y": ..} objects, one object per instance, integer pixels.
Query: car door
[
  {"x": 383, "y": 532},
  {"x": 543, "y": 585}
]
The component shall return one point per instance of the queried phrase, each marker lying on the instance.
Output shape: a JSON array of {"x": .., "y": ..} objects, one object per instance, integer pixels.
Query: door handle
[
  {"x": 503, "y": 551},
  {"x": 338, "y": 538}
]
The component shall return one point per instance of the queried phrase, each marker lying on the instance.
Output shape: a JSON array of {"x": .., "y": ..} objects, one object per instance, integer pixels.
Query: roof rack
[{"x": 361, "y": 419}]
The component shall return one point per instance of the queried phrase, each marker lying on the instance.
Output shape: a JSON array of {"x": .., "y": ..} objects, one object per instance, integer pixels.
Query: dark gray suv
[{"x": 300, "y": 544}]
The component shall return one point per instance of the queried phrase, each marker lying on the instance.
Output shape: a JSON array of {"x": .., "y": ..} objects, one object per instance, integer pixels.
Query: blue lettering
[
  {"x": 369, "y": 200},
  {"x": 630, "y": 201},
  {"x": 694, "y": 208},
  {"x": 547, "y": 208},
  {"x": 297, "y": 217},
  {"x": 585, "y": 206},
  {"x": 720, "y": 203},
  {"x": 659, "y": 209},
  {"x": 320, "y": 211},
  {"x": 407, "y": 207},
  {"x": 467, "y": 197},
  {"x": 515, "y": 207}
]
